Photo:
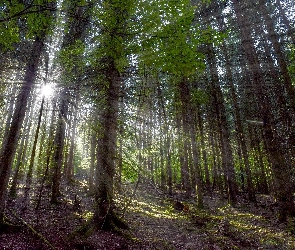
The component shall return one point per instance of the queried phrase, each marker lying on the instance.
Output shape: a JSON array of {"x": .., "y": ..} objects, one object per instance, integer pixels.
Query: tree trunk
[
  {"x": 280, "y": 168},
  {"x": 184, "y": 92},
  {"x": 69, "y": 173},
  {"x": 217, "y": 103},
  {"x": 203, "y": 151},
  {"x": 58, "y": 146},
  {"x": 92, "y": 161},
  {"x": 10, "y": 142},
  {"x": 104, "y": 216},
  {"x": 32, "y": 159},
  {"x": 291, "y": 30}
]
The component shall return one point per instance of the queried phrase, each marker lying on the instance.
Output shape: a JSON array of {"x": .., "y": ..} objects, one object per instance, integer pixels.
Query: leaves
[
  {"x": 170, "y": 41},
  {"x": 70, "y": 57},
  {"x": 9, "y": 34}
]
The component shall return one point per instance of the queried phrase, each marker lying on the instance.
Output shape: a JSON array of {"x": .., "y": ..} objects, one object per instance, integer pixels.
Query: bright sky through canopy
[{"x": 47, "y": 90}]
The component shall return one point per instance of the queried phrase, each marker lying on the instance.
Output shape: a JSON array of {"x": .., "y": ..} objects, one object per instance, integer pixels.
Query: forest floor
[{"x": 154, "y": 223}]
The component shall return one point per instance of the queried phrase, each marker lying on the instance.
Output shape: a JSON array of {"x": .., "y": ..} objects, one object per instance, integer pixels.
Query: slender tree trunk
[
  {"x": 196, "y": 166},
  {"x": 220, "y": 112},
  {"x": 10, "y": 142},
  {"x": 273, "y": 37},
  {"x": 184, "y": 91},
  {"x": 291, "y": 30},
  {"x": 22, "y": 151},
  {"x": 32, "y": 159},
  {"x": 59, "y": 142},
  {"x": 203, "y": 150},
  {"x": 10, "y": 111},
  {"x": 281, "y": 170},
  {"x": 70, "y": 164},
  {"x": 92, "y": 161}
]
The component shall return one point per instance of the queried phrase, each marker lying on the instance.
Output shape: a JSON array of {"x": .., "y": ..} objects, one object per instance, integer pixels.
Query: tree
[
  {"x": 9, "y": 143},
  {"x": 280, "y": 167}
]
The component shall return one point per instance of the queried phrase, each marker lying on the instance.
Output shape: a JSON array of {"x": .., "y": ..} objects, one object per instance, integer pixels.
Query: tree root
[{"x": 111, "y": 222}]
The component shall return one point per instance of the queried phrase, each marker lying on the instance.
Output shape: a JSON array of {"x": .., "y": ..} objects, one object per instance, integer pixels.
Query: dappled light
[{"x": 147, "y": 124}]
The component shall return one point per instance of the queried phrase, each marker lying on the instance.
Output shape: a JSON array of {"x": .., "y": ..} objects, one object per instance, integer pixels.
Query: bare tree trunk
[
  {"x": 92, "y": 161},
  {"x": 273, "y": 37},
  {"x": 22, "y": 151},
  {"x": 280, "y": 168},
  {"x": 291, "y": 30},
  {"x": 203, "y": 151},
  {"x": 104, "y": 216},
  {"x": 217, "y": 103},
  {"x": 184, "y": 92},
  {"x": 69, "y": 173},
  {"x": 32, "y": 159},
  {"x": 58, "y": 146},
  {"x": 10, "y": 142}
]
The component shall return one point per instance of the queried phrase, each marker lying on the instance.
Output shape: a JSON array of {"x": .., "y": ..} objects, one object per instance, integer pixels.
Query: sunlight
[{"x": 47, "y": 90}]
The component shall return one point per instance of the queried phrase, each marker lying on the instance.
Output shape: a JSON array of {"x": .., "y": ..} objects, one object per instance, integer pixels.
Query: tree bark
[
  {"x": 10, "y": 142},
  {"x": 218, "y": 107},
  {"x": 58, "y": 146},
  {"x": 276, "y": 153},
  {"x": 104, "y": 216}
]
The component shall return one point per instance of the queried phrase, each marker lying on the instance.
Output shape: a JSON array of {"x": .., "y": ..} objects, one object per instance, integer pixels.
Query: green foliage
[
  {"x": 70, "y": 57},
  {"x": 169, "y": 39},
  {"x": 9, "y": 34},
  {"x": 37, "y": 18},
  {"x": 113, "y": 21},
  {"x": 129, "y": 172},
  {"x": 199, "y": 97}
]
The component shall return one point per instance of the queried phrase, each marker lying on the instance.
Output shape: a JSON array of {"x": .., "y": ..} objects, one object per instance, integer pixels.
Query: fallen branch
[{"x": 40, "y": 236}]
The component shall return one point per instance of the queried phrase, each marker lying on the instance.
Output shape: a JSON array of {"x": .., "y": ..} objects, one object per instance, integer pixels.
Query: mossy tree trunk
[
  {"x": 104, "y": 216},
  {"x": 115, "y": 24}
]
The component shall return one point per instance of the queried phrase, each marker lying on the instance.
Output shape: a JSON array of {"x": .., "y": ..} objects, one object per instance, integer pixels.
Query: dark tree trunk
[
  {"x": 184, "y": 92},
  {"x": 58, "y": 146},
  {"x": 104, "y": 216},
  {"x": 273, "y": 37},
  {"x": 218, "y": 107},
  {"x": 203, "y": 150},
  {"x": 10, "y": 142},
  {"x": 69, "y": 173},
  {"x": 92, "y": 161},
  {"x": 291, "y": 30},
  {"x": 32, "y": 159},
  {"x": 276, "y": 153}
]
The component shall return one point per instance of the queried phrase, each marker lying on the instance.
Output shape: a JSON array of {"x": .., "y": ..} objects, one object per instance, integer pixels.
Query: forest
[{"x": 138, "y": 124}]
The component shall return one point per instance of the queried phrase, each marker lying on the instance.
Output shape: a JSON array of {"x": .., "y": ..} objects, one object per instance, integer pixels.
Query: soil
[{"x": 155, "y": 222}]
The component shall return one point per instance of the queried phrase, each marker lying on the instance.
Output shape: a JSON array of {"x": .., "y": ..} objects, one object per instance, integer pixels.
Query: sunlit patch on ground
[
  {"x": 87, "y": 215},
  {"x": 154, "y": 210}
]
